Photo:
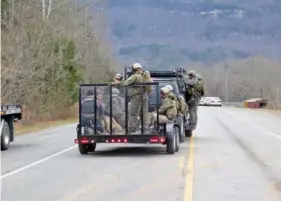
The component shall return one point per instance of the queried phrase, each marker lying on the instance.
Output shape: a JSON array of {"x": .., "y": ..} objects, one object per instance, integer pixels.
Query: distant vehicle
[
  {"x": 9, "y": 115},
  {"x": 202, "y": 102},
  {"x": 215, "y": 101},
  {"x": 207, "y": 101}
]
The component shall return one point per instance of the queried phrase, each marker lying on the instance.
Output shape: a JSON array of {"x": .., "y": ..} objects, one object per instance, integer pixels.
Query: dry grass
[{"x": 21, "y": 129}]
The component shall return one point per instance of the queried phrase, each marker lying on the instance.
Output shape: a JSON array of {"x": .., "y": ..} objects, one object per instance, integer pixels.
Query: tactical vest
[
  {"x": 193, "y": 94},
  {"x": 135, "y": 90},
  {"x": 181, "y": 105}
]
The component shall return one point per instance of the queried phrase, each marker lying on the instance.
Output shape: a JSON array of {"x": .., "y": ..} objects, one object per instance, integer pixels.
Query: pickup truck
[
  {"x": 175, "y": 79},
  {"x": 9, "y": 114}
]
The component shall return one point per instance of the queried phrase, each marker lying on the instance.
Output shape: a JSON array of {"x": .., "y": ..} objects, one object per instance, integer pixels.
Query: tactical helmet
[
  {"x": 165, "y": 90},
  {"x": 199, "y": 77},
  {"x": 115, "y": 91},
  {"x": 169, "y": 87},
  {"x": 137, "y": 66},
  {"x": 118, "y": 76},
  {"x": 192, "y": 73}
]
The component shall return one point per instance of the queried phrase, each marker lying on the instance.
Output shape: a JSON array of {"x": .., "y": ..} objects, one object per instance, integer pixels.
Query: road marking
[
  {"x": 188, "y": 190},
  {"x": 36, "y": 162},
  {"x": 258, "y": 126}
]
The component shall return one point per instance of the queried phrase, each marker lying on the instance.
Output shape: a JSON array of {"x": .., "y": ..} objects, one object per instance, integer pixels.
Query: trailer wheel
[
  {"x": 188, "y": 133},
  {"x": 177, "y": 137},
  {"x": 171, "y": 144},
  {"x": 83, "y": 148},
  {"x": 92, "y": 147},
  {"x": 5, "y": 136},
  {"x": 181, "y": 135}
]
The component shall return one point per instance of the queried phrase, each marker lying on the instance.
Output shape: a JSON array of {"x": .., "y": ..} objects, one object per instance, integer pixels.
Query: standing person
[
  {"x": 118, "y": 107},
  {"x": 136, "y": 99},
  {"x": 200, "y": 86},
  {"x": 192, "y": 97}
]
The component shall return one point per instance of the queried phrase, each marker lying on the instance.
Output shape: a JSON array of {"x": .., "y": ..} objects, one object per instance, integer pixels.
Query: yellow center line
[{"x": 188, "y": 190}]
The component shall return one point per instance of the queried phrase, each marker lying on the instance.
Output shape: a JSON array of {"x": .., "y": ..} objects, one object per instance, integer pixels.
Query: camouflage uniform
[
  {"x": 136, "y": 102},
  {"x": 147, "y": 79},
  {"x": 118, "y": 107},
  {"x": 192, "y": 98},
  {"x": 167, "y": 110},
  {"x": 200, "y": 86}
]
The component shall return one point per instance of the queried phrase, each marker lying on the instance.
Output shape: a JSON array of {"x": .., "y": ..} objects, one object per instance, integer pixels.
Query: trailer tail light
[
  {"x": 84, "y": 140},
  {"x": 119, "y": 140},
  {"x": 162, "y": 139},
  {"x": 157, "y": 139},
  {"x": 154, "y": 139}
]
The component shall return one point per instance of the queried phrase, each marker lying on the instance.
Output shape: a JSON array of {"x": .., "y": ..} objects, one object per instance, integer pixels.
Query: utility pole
[{"x": 226, "y": 82}]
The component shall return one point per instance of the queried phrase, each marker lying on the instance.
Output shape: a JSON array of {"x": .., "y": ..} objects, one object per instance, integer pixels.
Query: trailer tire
[
  {"x": 5, "y": 136},
  {"x": 92, "y": 147},
  {"x": 182, "y": 136},
  {"x": 83, "y": 148},
  {"x": 188, "y": 133},
  {"x": 178, "y": 137},
  {"x": 171, "y": 144}
]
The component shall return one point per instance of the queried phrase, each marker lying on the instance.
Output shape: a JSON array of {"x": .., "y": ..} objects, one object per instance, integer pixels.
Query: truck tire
[
  {"x": 5, "y": 136},
  {"x": 171, "y": 144},
  {"x": 188, "y": 133}
]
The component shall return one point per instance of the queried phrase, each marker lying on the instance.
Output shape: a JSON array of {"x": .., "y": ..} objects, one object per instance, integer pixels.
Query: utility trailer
[
  {"x": 9, "y": 114},
  {"x": 163, "y": 134}
]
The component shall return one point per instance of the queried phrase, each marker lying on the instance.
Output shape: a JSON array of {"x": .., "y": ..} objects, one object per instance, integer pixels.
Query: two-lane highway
[{"x": 235, "y": 154}]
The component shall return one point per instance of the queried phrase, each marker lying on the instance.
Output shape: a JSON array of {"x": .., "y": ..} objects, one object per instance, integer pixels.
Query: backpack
[
  {"x": 147, "y": 88},
  {"x": 181, "y": 105}
]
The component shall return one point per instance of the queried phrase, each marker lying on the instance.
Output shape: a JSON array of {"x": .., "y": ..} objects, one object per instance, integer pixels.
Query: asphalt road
[{"x": 235, "y": 154}]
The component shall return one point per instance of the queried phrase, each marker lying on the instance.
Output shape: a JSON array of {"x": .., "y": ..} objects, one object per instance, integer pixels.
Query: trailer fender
[{"x": 170, "y": 130}]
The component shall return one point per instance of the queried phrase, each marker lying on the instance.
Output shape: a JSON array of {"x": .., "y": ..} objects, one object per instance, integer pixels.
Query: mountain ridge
[{"x": 175, "y": 32}]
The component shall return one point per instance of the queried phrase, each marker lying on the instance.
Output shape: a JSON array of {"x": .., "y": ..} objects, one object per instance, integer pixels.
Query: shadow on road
[{"x": 131, "y": 151}]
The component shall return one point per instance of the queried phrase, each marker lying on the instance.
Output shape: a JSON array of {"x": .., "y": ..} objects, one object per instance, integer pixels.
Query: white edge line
[
  {"x": 260, "y": 127},
  {"x": 36, "y": 162}
]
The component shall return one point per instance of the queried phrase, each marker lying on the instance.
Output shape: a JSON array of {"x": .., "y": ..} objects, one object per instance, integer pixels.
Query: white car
[
  {"x": 215, "y": 101},
  {"x": 201, "y": 103}
]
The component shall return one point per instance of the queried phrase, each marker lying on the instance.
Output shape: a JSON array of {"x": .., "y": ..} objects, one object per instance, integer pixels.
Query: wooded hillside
[{"x": 48, "y": 47}]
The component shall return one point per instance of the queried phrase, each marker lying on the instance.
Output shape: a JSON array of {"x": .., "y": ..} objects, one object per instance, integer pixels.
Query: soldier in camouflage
[
  {"x": 180, "y": 102},
  {"x": 136, "y": 99},
  {"x": 167, "y": 110},
  {"x": 118, "y": 107},
  {"x": 200, "y": 85},
  {"x": 171, "y": 93},
  {"x": 192, "y": 97}
]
